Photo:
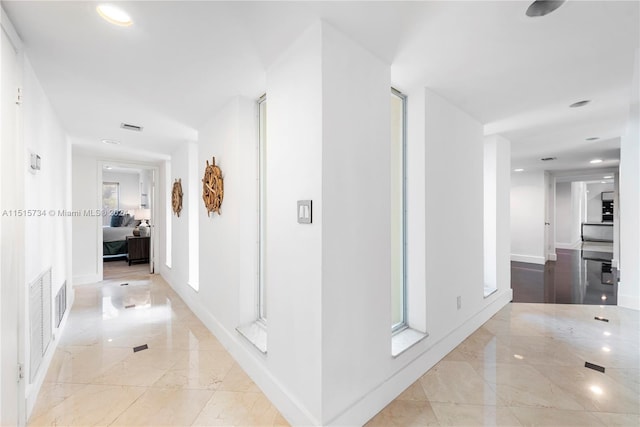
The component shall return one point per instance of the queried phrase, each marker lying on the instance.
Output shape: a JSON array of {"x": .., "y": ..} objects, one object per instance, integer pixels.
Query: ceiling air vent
[
  {"x": 548, "y": 159},
  {"x": 131, "y": 127}
]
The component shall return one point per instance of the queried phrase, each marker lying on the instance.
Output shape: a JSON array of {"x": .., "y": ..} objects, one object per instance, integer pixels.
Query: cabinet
[
  {"x": 607, "y": 206},
  {"x": 138, "y": 249}
]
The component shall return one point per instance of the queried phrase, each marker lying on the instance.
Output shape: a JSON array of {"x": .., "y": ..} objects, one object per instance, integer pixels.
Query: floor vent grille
[
  {"x": 40, "y": 320},
  {"x": 61, "y": 303}
]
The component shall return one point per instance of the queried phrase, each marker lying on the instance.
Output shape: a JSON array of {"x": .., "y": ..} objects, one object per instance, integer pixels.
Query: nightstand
[{"x": 138, "y": 249}]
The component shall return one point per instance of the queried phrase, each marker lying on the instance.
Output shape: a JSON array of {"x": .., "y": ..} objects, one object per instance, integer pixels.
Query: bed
[
  {"x": 114, "y": 236},
  {"x": 114, "y": 240}
]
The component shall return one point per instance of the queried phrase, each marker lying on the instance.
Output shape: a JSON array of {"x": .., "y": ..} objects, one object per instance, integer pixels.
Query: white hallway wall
[
  {"x": 129, "y": 188},
  {"x": 528, "y": 216},
  {"x": 629, "y": 286},
  {"x": 39, "y": 242},
  {"x": 564, "y": 215},
  {"x": 329, "y": 342}
]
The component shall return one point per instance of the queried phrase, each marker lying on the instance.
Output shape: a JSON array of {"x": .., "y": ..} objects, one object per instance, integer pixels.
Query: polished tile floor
[
  {"x": 581, "y": 276},
  {"x": 525, "y": 366},
  {"x": 184, "y": 378}
]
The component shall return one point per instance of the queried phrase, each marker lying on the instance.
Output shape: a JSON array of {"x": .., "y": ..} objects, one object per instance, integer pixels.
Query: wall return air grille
[{"x": 40, "y": 320}]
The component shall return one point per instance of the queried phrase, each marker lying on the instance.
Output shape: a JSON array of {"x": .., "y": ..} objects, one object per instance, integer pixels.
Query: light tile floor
[
  {"x": 184, "y": 378},
  {"x": 525, "y": 366}
]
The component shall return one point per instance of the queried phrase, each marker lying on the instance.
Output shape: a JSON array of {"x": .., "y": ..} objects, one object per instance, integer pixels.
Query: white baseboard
[
  {"x": 614, "y": 263},
  {"x": 249, "y": 358},
  {"x": 628, "y": 301},
  {"x": 528, "y": 258},
  {"x": 360, "y": 412},
  {"x": 552, "y": 256}
]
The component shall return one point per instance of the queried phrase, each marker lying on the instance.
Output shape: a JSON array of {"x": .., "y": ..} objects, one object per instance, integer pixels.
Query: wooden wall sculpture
[
  {"x": 212, "y": 187},
  {"x": 176, "y": 197}
]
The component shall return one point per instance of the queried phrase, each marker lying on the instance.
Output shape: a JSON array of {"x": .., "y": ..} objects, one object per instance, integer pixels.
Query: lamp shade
[{"x": 143, "y": 214}]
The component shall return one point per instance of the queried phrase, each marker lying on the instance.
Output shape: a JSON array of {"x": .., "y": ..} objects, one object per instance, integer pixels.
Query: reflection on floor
[
  {"x": 578, "y": 277},
  {"x": 526, "y": 366},
  {"x": 185, "y": 377}
]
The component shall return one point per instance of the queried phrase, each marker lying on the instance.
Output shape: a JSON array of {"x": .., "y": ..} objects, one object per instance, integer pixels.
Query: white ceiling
[{"x": 182, "y": 61}]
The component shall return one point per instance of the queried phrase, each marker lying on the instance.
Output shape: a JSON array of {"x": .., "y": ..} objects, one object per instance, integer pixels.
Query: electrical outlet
[{"x": 459, "y": 302}]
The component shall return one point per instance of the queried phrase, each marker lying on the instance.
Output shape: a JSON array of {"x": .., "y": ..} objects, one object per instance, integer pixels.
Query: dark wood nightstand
[{"x": 138, "y": 249}]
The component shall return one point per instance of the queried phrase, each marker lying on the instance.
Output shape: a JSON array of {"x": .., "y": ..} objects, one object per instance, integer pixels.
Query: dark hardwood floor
[{"x": 577, "y": 277}]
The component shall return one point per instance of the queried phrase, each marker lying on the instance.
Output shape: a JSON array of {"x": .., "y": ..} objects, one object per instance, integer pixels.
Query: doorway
[{"x": 127, "y": 241}]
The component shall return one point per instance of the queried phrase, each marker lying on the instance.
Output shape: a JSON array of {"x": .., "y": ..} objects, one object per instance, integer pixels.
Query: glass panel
[
  {"x": 262, "y": 306},
  {"x": 398, "y": 311},
  {"x": 110, "y": 200}
]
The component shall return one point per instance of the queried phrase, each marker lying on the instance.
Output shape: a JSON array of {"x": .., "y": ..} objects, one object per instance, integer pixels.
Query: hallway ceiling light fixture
[
  {"x": 603, "y": 182},
  {"x": 110, "y": 141},
  {"x": 606, "y": 349},
  {"x": 596, "y": 389},
  {"x": 108, "y": 168},
  {"x": 594, "y": 161},
  {"x": 518, "y": 170},
  {"x": 580, "y": 103},
  {"x": 607, "y": 333},
  {"x": 543, "y": 7},
  {"x": 114, "y": 15},
  {"x": 608, "y": 177}
]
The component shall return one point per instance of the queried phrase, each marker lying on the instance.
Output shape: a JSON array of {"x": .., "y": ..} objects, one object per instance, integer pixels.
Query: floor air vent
[
  {"x": 61, "y": 303},
  {"x": 40, "y": 319}
]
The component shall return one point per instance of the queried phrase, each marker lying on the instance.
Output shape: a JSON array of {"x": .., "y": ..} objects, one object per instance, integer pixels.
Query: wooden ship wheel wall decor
[
  {"x": 176, "y": 197},
  {"x": 212, "y": 187}
]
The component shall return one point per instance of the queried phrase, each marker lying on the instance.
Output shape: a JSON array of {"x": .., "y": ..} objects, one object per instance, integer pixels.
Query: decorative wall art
[
  {"x": 176, "y": 197},
  {"x": 212, "y": 187}
]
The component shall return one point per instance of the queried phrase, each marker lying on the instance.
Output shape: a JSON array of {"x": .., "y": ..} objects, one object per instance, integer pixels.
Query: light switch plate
[{"x": 304, "y": 211}]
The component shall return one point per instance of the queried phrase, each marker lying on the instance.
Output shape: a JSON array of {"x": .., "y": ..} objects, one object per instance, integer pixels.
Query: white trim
[
  {"x": 405, "y": 339},
  {"x": 551, "y": 256},
  {"x": 528, "y": 258},
  {"x": 628, "y": 301},
  {"x": 360, "y": 412},
  {"x": 615, "y": 263}
]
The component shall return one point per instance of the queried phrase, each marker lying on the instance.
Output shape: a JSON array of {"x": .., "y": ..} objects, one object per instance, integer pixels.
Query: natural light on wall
[
  {"x": 262, "y": 150},
  {"x": 398, "y": 288}
]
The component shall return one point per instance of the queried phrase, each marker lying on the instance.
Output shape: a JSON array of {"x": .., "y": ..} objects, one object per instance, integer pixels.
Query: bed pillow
[
  {"x": 128, "y": 221},
  {"x": 116, "y": 219}
]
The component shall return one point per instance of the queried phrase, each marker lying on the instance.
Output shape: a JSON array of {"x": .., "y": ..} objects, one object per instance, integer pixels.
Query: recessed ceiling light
[
  {"x": 596, "y": 161},
  {"x": 593, "y": 138},
  {"x": 543, "y": 7},
  {"x": 108, "y": 168},
  {"x": 603, "y": 182},
  {"x": 608, "y": 177},
  {"x": 110, "y": 141},
  {"x": 114, "y": 15},
  {"x": 579, "y": 104},
  {"x": 518, "y": 170}
]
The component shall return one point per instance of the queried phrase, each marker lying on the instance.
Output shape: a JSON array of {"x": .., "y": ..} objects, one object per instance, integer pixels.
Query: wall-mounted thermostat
[{"x": 304, "y": 211}]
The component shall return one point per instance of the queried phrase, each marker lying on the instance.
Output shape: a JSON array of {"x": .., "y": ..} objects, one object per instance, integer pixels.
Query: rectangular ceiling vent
[{"x": 131, "y": 127}]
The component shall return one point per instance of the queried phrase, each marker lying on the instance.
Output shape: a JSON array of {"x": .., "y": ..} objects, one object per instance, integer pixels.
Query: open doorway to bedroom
[{"x": 126, "y": 239}]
